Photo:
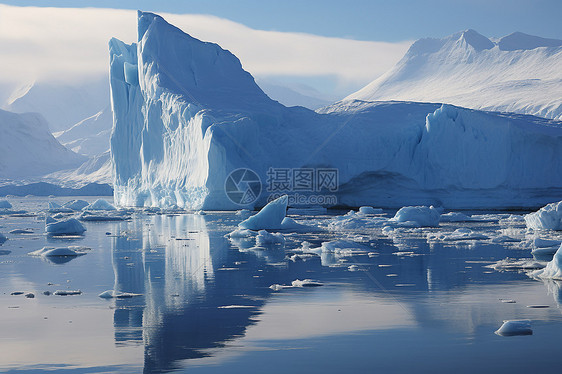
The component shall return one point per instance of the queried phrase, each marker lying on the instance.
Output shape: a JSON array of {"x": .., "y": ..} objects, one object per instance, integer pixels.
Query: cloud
[{"x": 66, "y": 44}]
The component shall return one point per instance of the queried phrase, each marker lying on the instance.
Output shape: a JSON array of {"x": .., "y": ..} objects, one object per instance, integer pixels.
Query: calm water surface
[{"x": 206, "y": 306}]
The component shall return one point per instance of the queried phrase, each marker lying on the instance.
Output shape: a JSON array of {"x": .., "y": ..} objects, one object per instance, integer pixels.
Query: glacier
[{"x": 186, "y": 115}]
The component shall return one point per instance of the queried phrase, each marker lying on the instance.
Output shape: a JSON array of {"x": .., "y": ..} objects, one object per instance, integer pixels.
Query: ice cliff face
[
  {"x": 518, "y": 73},
  {"x": 186, "y": 115}
]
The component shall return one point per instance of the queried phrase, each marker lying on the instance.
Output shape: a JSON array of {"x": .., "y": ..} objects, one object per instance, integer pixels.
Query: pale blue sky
[{"x": 387, "y": 20}]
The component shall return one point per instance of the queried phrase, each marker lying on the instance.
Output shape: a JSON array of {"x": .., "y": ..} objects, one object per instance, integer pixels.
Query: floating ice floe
[
  {"x": 548, "y": 217},
  {"x": 419, "y": 215},
  {"x": 5, "y": 204},
  {"x": 76, "y": 205},
  {"x": 21, "y": 231},
  {"x": 70, "y": 226},
  {"x": 369, "y": 210},
  {"x": 517, "y": 264},
  {"x": 353, "y": 220},
  {"x": 553, "y": 269},
  {"x": 67, "y": 292},
  {"x": 515, "y": 327},
  {"x": 111, "y": 294},
  {"x": 297, "y": 284},
  {"x": 241, "y": 233},
  {"x": 544, "y": 247},
  {"x": 99, "y": 216},
  {"x": 459, "y": 234},
  {"x": 71, "y": 251},
  {"x": 454, "y": 217},
  {"x": 2, "y": 238},
  {"x": 100, "y": 204}
]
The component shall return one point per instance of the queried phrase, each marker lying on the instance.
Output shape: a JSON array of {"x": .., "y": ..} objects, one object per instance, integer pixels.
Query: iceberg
[
  {"x": 548, "y": 217},
  {"x": 70, "y": 226},
  {"x": 421, "y": 215},
  {"x": 515, "y": 327},
  {"x": 99, "y": 204},
  {"x": 270, "y": 217},
  {"x": 553, "y": 269},
  {"x": 191, "y": 125}
]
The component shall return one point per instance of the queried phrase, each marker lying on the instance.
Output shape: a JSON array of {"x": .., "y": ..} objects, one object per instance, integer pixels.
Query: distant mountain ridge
[{"x": 518, "y": 73}]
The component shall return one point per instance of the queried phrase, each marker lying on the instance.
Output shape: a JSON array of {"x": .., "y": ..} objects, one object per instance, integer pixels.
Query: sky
[{"x": 333, "y": 46}]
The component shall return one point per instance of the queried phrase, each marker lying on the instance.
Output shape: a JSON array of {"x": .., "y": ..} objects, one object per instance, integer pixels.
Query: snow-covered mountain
[
  {"x": 90, "y": 136},
  {"x": 27, "y": 147},
  {"x": 62, "y": 105},
  {"x": 187, "y": 115},
  {"x": 518, "y": 73},
  {"x": 291, "y": 96}
]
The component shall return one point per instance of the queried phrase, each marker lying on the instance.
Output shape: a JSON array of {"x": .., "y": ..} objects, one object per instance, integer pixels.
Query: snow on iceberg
[
  {"x": 70, "y": 226},
  {"x": 186, "y": 115},
  {"x": 553, "y": 269},
  {"x": 421, "y": 215},
  {"x": 548, "y": 217}
]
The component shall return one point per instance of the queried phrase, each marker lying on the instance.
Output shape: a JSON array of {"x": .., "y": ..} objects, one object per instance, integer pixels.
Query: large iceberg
[{"x": 186, "y": 115}]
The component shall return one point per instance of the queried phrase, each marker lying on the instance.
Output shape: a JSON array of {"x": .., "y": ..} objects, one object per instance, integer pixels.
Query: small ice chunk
[
  {"x": 278, "y": 287},
  {"x": 111, "y": 294},
  {"x": 265, "y": 238},
  {"x": 353, "y": 268},
  {"x": 422, "y": 215},
  {"x": 5, "y": 204},
  {"x": 100, "y": 204},
  {"x": 306, "y": 283},
  {"x": 548, "y": 217},
  {"x": 459, "y": 234},
  {"x": 515, "y": 327},
  {"x": 62, "y": 251},
  {"x": 2, "y": 238},
  {"x": 369, "y": 210},
  {"x": 21, "y": 231},
  {"x": 269, "y": 217},
  {"x": 517, "y": 264},
  {"x": 69, "y": 226},
  {"x": 67, "y": 292}
]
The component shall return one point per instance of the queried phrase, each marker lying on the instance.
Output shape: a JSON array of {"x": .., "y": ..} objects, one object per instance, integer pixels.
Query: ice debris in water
[
  {"x": 369, "y": 210},
  {"x": 459, "y": 234},
  {"x": 548, "y": 217},
  {"x": 2, "y": 238},
  {"x": 57, "y": 208},
  {"x": 297, "y": 284},
  {"x": 420, "y": 215},
  {"x": 517, "y": 264},
  {"x": 111, "y": 294},
  {"x": 544, "y": 247},
  {"x": 67, "y": 292},
  {"x": 265, "y": 238},
  {"x": 70, "y": 226},
  {"x": 515, "y": 327}
]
